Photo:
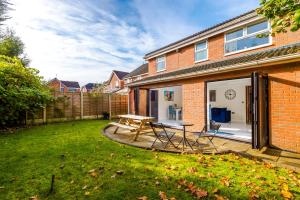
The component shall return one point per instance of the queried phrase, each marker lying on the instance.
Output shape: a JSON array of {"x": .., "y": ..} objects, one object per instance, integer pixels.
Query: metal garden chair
[
  {"x": 214, "y": 127},
  {"x": 162, "y": 135}
]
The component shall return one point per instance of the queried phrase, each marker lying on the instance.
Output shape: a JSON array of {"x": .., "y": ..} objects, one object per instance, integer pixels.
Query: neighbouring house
[
  {"x": 248, "y": 84},
  {"x": 115, "y": 82},
  {"x": 137, "y": 74},
  {"x": 64, "y": 86},
  {"x": 89, "y": 87}
]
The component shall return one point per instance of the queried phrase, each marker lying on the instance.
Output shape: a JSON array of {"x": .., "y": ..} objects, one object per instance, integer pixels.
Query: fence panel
[{"x": 67, "y": 106}]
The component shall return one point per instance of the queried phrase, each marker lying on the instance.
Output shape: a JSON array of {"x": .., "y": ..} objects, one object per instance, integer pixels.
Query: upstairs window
[
  {"x": 72, "y": 89},
  {"x": 201, "y": 51},
  {"x": 160, "y": 63},
  {"x": 246, "y": 38},
  {"x": 117, "y": 84}
]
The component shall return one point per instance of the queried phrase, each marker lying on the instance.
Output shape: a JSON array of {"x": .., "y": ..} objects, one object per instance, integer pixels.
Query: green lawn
[{"x": 85, "y": 165}]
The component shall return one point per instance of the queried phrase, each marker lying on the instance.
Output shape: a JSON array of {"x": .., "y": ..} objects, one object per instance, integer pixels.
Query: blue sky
[{"x": 85, "y": 40}]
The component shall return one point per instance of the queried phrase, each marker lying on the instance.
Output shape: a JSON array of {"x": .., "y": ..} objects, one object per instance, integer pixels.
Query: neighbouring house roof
[
  {"x": 71, "y": 84},
  {"x": 233, "y": 63},
  {"x": 143, "y": 69},
  {"x": 120, "y": 74},
  {"x": 211, "y": 30},
  {"x": 90, "y": 86}
]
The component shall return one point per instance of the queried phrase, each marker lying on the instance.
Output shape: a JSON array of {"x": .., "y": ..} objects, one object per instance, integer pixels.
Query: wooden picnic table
[{"x": 133, "y": 122}]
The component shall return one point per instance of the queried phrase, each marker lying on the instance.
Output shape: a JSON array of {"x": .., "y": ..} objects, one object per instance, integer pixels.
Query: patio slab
[{"x": 276, "y": 157}]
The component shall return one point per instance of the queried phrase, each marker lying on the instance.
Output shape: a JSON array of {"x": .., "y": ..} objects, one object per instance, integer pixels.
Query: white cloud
[
  {"x": 85, "y": 40},
  {"x": 76, "y": 41}
]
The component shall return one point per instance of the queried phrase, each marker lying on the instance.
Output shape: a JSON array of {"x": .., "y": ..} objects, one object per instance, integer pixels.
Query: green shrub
[{"x": 21, "y": 91}]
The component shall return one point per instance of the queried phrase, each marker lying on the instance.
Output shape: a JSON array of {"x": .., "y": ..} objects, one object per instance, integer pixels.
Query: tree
[
  {"x": 22, "y": 91},
  {"x": 12, "y": 46},
  {"x": 284, "y": 14},
  {"x": 4, "y": 7}
]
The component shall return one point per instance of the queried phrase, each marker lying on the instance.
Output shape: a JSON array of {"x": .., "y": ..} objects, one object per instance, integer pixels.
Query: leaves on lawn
[
  {"x": 93, "y": 173},
  {"x": 225, "y": 181},
  {"x": 84, "y": 187},
  {"x": 192, "y": 170},
  {"x": 253, "y": 195},
  {"x": 162, "y": 195},
  {"x": 285, "y": 193},
  {"x": 219, "y": 197},
  {"x": 120, "y": 172},
  {"x": 190, "y": 187}
]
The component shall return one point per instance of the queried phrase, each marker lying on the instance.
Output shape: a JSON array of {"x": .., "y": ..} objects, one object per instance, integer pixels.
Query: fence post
[
  {"x": 109, "y": 104},
  {"x": 45, "y": 114},
  {"x": 81, "y": 105}
]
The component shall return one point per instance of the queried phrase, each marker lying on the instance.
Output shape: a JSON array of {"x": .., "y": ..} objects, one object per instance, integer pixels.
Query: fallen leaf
[
  {"x": 225, "y": 181},
  {"x": 84, "y": 187},
  {"x": 162, "y": 195},
  {"x": 172, "y": 198},
  {"x": 210, "y": 175},
  {"x": 268, "y": 165},
  {"x": 201, "y": 193},
  {"x": 192, "y": 170},
  {"x": 120, "y": 172},
  {"x": 113, "y": 176},
  {"x": 87, "y": 193},
  {"x": 216, "y": 190},
  {"x": 157, "y": 183},
  {"x": 219, "y": 197},
  {"x": 34, "y": 198},
  {"x": 253, "y": 195},
  {"x": 286, "y": 194},
  {"x": 142, "y": 198}
]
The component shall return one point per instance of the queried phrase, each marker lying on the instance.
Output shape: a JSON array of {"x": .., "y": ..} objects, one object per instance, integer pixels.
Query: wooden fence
[{"x": 73, "y": 106}]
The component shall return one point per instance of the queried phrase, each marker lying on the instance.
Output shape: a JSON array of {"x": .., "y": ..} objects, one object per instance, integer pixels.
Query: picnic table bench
[{"x": 132, "y": 122}]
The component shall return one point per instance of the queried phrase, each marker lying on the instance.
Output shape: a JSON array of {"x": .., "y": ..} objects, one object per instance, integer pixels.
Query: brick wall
[
  {"x": 184, "y": 57},
  {"x": 284, "y": 103},
  {"x": 114, "y": 80},
  {"x": 55, "y": 85}
]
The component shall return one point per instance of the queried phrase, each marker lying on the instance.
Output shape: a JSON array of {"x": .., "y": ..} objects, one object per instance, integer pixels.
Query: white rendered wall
[
  {"x": 163, "y": 105},
  {"x": 237, "y": 106}
]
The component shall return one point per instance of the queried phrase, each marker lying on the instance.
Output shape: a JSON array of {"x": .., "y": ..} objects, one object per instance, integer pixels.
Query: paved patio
[{"x": 145, "y": 140}]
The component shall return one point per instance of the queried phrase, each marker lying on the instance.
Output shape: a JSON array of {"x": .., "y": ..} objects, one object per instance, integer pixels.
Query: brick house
[
  {"x": 64, "y": 86},
  {"x": 116, "y": 81},
  {"x": 137, "y": 74},
  {"x": 226, "y": 74},
  {"x": 89, "y": 87}
]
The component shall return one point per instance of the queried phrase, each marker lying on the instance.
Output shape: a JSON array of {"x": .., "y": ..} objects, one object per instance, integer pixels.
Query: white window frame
[
  {"x": 195, "y": 51},
  {"x": 245, "y": 35},
  {"x": 161, "y": 61}
]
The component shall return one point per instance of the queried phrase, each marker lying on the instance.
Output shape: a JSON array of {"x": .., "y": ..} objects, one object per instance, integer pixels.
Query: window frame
[
  {"x": 245, "y": 35},
  {"x": 165, "y": 65},
  {"x": 195, "y": 51}
]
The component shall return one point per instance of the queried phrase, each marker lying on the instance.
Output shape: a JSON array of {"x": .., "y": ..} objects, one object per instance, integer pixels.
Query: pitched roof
[
  {"x": 72, "y": 84},
  {"x": 214, "y": 66},
  {"x": 90, "y": 86},
  {"x": 143, "y": 69},
  {"x": 120, "y": 74},
  {"x": 203, "y": 32}
]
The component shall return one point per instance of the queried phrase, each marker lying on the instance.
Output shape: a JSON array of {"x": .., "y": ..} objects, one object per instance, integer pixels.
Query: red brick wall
[
  {"x": 285, "y": 107},
  {"x": 113, "y": 81},
  {"x": 55, "y": 85},
  {"x": 184, "y": 57},
  {"x": 284, "y": 103}
]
